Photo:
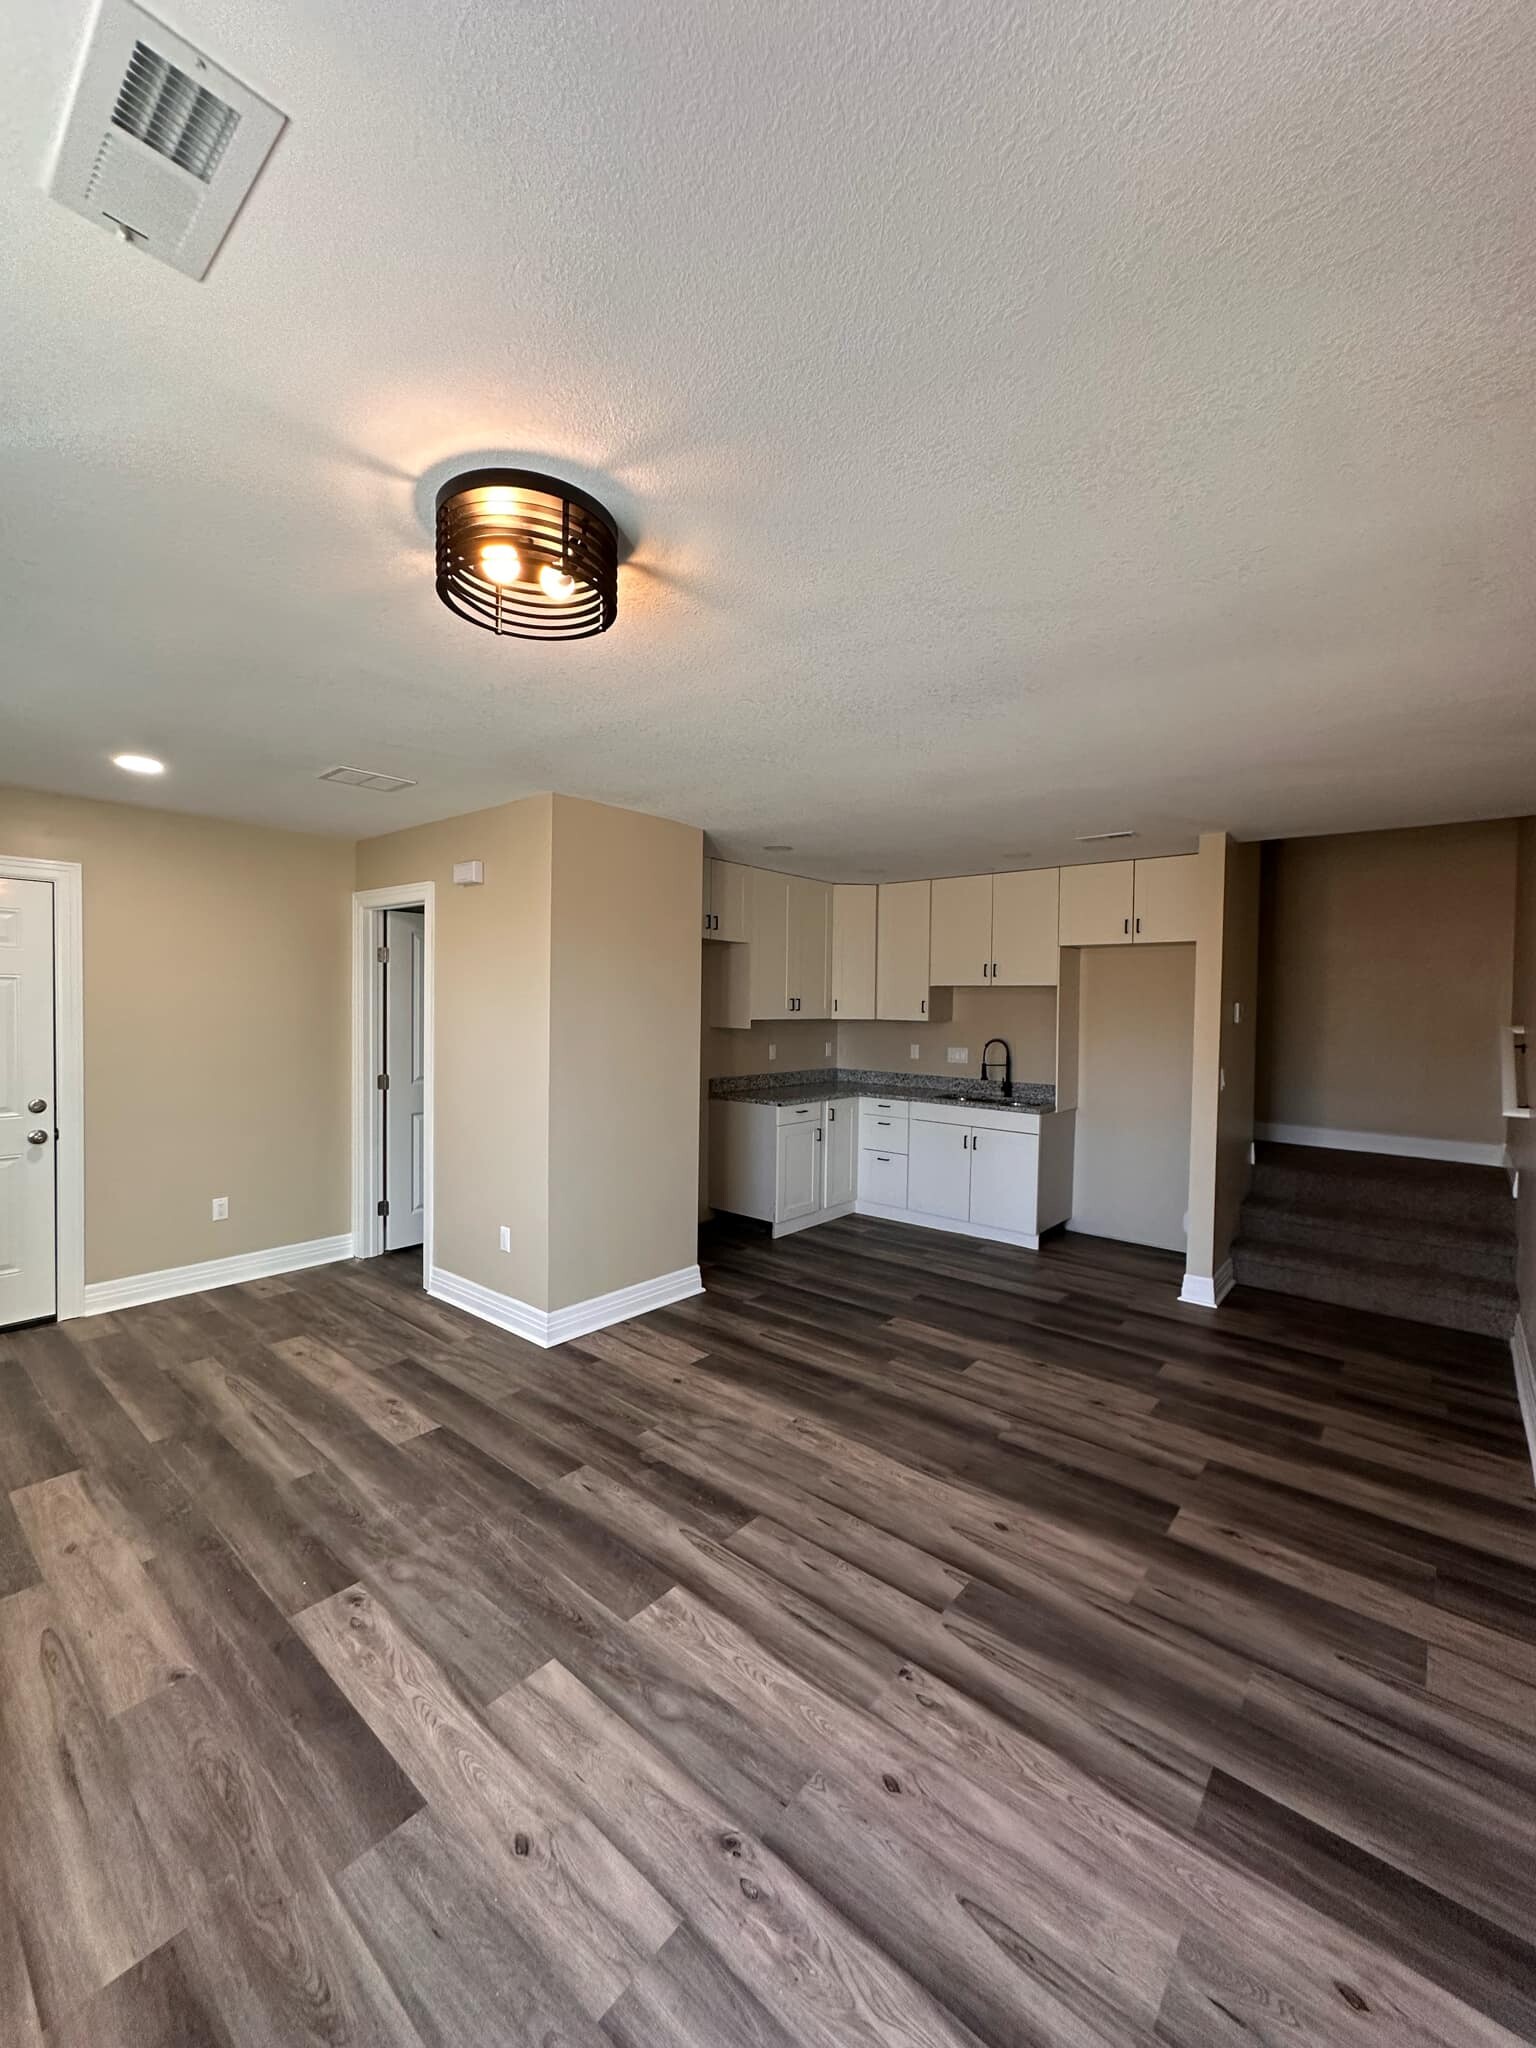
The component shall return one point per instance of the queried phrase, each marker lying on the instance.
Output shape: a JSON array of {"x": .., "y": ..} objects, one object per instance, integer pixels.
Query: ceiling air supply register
[{"x": 526, "y": 556}]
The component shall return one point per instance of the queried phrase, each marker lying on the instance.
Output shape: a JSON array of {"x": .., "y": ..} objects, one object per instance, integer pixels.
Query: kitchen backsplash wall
[
  {"x": 800, "y": 1042},
  {"x": 1026, "y": 1017}
]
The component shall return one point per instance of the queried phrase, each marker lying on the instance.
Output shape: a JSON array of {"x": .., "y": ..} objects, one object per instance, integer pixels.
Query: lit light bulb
[
  {"x": 556, "y": 584},
  {"x": 500, "y": 563}
]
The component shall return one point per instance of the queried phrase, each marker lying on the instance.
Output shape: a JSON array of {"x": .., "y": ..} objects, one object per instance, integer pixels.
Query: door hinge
[
  {"x": 383, "y": 1080},
  {"x": 383, "y": 1208},
  {"x": 383, "y": 956}
]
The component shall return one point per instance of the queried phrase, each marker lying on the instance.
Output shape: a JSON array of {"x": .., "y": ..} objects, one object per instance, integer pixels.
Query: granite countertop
[{"x": 819, "y": 1084}]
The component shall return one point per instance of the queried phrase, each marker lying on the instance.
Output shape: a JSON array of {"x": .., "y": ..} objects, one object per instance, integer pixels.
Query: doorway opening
[{"x": 392, "y": 1153}]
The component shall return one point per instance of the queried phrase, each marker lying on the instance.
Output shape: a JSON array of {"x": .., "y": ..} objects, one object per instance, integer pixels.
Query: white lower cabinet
[
  {"x": 984, "y": 1172},
  {"x": 840, "y": 1153},
  {"x": 797, "y": 1190},
  {"x": 787, "y": 1164},
  {"x": 995, "y": 1173},
  {"x": 939, "y": 1170}
]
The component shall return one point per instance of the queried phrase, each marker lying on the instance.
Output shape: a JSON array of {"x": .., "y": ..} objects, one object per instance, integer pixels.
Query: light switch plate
[
  {"x": 917, "y": 1052},
  {"x": 773, "y": 1050},
  {"x": 221, "y": 1208},
  {"x": 506, "y": 1237},
  {"x": 958, "y": 1055},
  {"x": 828, "y": 1049}
]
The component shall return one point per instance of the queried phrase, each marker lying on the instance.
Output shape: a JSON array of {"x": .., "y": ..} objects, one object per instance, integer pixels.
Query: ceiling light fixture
[
  {"x": 526, "y": 556},
  {"x": 139, "y": 764}
]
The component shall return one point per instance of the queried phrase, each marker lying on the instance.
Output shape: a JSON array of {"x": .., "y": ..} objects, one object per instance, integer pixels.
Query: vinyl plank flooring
[
  {"x": 906, "y": 1641},
  {"x": 129, "y": 1644}
]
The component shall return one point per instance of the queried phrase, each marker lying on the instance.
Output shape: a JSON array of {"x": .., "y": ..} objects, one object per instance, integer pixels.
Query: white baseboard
[
  {"x": 1202, "y": 1290},
  {"x": 103, "y": 1296},
  {"x": 1525, "y": 1385},
  {"x": 1400, "y": 1146},
  {"x": 547, "y": 1327},
  {"x": 1023, "y": 1239}
]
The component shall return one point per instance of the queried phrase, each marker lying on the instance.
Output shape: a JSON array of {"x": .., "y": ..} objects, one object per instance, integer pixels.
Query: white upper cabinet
[
  {"x": 1026, "y": 946},
  {"x": 854, "y": 911},
  {"x": 768, "y": 942},
  {"x": 902, "y": 979},
  {"x": 961, "y": 932},
  {"x": 1098, "y": 903},
  {"x": 725, "y": 900},
  {"x": 1167, "y": 900},
  {"x": 809, "y": 953}
]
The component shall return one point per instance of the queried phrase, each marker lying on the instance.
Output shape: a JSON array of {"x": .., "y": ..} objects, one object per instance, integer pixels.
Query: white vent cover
[
  {"x": 159, "y": 144},
  {"x": 367, "y": 778}
]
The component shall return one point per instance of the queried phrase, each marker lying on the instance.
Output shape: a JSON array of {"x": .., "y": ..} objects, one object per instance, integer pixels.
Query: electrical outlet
[
  {"x": 506, "y": 1238},
  {"x": 958, "y": 1055},
  {"x": 1237, "y": 1013},
  {"x": 221, "y": 1208},
  {"x": 773, "y": 1050},
  {"x": 915, "y": 1052},
  {"x": 828, "y": 1048}
]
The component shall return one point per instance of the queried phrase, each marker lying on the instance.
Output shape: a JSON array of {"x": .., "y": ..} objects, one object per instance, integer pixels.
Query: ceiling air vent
[
  {"x": 368, "y": 778},
  {"x": 159, "y": 144}
]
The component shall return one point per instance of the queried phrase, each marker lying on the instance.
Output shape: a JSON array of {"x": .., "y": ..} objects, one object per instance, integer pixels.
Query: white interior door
[
  {"x": 28, "y": 1281},
  {"x": 405, "y": 1129}
]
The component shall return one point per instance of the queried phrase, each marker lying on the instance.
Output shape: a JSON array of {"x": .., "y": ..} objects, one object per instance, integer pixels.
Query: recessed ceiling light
[
  {"x": 1091, "y": 838},
  {"x": 139, "y": 764}
]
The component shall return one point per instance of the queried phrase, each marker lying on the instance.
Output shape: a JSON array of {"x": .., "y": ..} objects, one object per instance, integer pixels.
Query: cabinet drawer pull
[
  {"x": 882, "y": 1158},
  {"x": 882, "y": 1123}
]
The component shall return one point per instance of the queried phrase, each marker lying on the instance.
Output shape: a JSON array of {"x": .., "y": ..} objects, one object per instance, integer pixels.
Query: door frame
[
  {"x": 68, "y": 1071},
  {"x": 368, "y": 908}
]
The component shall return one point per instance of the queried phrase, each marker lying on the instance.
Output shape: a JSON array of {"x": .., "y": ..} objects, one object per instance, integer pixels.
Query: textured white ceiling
[{"x": 1030, "y": 419}]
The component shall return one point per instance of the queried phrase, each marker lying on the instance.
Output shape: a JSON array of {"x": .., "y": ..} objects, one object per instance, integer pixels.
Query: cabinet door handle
[
  {"x": 1138, "y": 924},
  {"x": 834, "y": 1006},
  {"x": 965, "y": 1140},
  {"x": 923, "y": 1006},
  {"x": 818, "y": 1134},
  {"x": 994, "y": 970},
  {"x": 975, "y": 1141},
  {"x": 983, "y": 970},
  {"x": 1127, "y": 925}
]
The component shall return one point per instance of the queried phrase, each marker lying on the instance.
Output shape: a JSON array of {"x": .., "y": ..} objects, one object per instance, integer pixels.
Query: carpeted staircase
[{"x": 1404, "y": 1237}]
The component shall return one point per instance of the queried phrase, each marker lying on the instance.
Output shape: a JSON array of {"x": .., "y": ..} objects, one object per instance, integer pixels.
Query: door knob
[
  {"x": 37, "y": 1137},
  {"x": 37, "y": 1105}
]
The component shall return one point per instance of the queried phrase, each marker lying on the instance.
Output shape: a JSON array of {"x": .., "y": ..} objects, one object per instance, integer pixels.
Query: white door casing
[
  {"x": 404, "y": 1101},
  {"x": 368, "y": 1057},
  {"x": 28, "y": 1258}
]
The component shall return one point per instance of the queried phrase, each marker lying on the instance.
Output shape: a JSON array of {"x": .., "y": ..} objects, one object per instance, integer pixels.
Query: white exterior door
[
  {"x": 1005, "y": 1179},
  {"x": 405, "y": 995},
  {"x": 28, "y": 1283},
  {"x": 799, "y": 1186},
  {"x": 939, "y": 1170},
  {"x": 841, "y": 1152}
]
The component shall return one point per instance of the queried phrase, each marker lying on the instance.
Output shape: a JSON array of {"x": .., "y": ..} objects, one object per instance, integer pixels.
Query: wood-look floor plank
[
  {"x": 156, "y": 2004},
  {"x": 129, "y": 1643},
  {"x": 90, "y": 1897}
]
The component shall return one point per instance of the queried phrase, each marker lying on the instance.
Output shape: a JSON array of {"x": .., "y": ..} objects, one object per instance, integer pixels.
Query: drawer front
[
  {"x": 878, "y": 1105},
  {"x": 882, "y": 1133},
  {"x": 800, "y": 1112},
  {"x": 883, "y": 1178}
]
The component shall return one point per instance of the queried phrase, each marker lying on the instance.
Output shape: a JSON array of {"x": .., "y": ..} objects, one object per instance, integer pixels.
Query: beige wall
[
  {"x": 1026, "y": 1017},
  {"x": 624, "y": 1030},
  {"x": 799, "y": 1043},
  {"x": 1522, "y": 1130},
  {"x": 216, "y": 1028},
  {"x": 492, "y": 1008},
  {"x": 1132, "y": 1149},
  {"x": 1384, "y": 979}
]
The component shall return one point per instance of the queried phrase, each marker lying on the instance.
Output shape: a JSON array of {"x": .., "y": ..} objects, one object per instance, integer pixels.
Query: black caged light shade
[{"x": 526, "y": 555}]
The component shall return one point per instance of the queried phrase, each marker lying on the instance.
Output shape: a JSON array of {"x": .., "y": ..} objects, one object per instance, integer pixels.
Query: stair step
[
  {"x": 1452, "y": 1301},
  {"x": 1384, "y": 1184},
  {"x": 1478, "y": 1250}
]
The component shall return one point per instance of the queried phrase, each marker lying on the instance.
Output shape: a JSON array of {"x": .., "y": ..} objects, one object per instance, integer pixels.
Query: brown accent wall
[
  {"x": 216, "y": 1028},
  {"x": 1384, "y": 980}
]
